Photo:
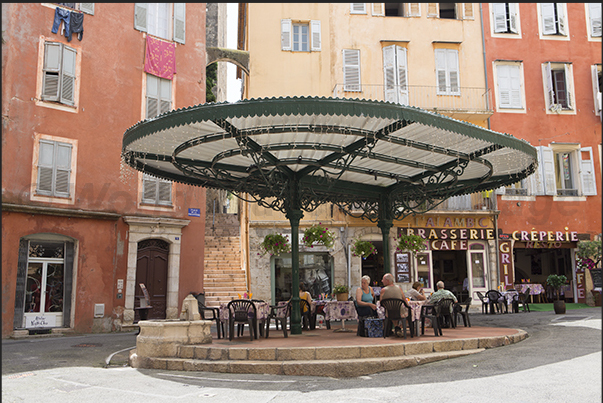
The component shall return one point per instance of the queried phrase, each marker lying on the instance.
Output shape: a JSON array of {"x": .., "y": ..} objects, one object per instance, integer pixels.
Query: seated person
[
  {"x": 365, "y": 297},
  {"x": 391, "y": 290},
  {"x": 303, "y": 294},
  {"x": 440, "y": 294},
  {"x": 417, "y": 293}
]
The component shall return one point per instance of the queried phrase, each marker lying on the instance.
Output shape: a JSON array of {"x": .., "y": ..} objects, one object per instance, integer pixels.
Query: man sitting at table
[
  {"x": 441, "y": 293},
  {"x": 391, "y": 290}
]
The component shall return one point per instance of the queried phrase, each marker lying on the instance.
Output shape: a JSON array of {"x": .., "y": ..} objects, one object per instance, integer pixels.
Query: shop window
[
  {"x": 301, "y": 36},
  {"x": 315, "y": 272},
  {"x": 155, "y": 19},
  {"x": 505, "y": 18}
]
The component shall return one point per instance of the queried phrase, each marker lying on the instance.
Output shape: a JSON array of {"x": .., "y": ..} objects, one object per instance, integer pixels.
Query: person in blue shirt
[{"x": 365, "y": 297}]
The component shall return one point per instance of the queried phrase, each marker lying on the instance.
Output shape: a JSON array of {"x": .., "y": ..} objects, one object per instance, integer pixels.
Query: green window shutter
[
  {"x": 285, "y": 34},
  {"x": 499, "y": 15},
  {"x": 140, "y": 16},
  {"x": 315, "y": 35},
  {"x": 52, "y": 71},
  {"x": 351, "y": 70},
  {"x": 68, "y": 76},
  {"x": 547, "y": 13},
  {"x": 63, "y": 169},
  {"x": 594, "y": 13},
  {"x": 87, "y": 8},
  {"x": 179, "y": 22},
  {"x": 587, "y": 172}
]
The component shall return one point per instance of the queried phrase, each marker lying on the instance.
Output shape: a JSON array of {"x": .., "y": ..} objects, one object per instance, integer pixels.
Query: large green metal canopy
[{"x": 294, "y": 154}]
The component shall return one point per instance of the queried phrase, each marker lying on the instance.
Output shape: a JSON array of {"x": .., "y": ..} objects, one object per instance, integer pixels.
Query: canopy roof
[{"x": 297, "y": 153}]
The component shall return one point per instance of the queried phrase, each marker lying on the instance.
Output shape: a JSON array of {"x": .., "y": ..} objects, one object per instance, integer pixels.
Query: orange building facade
[
  {"x": 81, "y": 231},
  {"x": 543, "y": 65}
]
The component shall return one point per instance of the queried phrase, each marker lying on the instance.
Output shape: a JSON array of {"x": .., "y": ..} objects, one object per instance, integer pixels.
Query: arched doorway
[
  {"x": 372, "y": 266},
  {"x": 152, "y": 271}
]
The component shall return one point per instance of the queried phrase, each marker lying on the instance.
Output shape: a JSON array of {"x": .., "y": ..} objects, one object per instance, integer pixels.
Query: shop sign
[
  {"x": 453, "y": 222},
  {"x": 580, "y": 284},
  {"x": 451, "y": 234},
  {"x": 448, "y": 245},
  {"x": 545, "y": 236},
  {"x": 507, "y": 274},
  {"x": 402, "y": 267}
]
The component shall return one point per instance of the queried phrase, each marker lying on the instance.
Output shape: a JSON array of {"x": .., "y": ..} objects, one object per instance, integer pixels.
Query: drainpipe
[{"x": 481, "y": 19}]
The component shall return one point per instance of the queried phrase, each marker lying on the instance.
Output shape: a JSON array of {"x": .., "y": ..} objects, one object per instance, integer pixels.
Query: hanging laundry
[
  {"x": 77, "y": 26},
  {"x": 62, "y": 15},
  {"x": 160, "y": 58}
]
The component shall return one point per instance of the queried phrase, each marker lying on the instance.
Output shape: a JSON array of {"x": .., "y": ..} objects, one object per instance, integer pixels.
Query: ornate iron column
[
  {"x": 294, "y": 216},
  {"x": 384, "y": 223}
]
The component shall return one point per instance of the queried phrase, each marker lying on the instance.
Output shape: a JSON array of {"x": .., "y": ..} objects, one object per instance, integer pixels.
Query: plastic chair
[
  {"x": 215, "y": 314},
  {"x": 280, "y": 313},
  {"x": 241, "y": 312},
  {"x": 494, "y": 298},
  {"x": 446, "y": 314},
  {"x": 484, "y": 303},
  {"x": 392, "y": 307},
  {"x": 523, "y": 300},
  {"x": 458, "y": 310},
  {"x": 431, "y": 312}
]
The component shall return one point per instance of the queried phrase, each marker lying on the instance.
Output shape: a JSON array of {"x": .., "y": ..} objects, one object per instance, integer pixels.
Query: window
[
  {"x": 509, "y": 86},
  {"x": 155, "y": 18},
  {"x": 158, "y": 95},
  {"x": 447, "y": 10},
  {"x": 156, "y": 190},
  {"x": 300, "y": 37},
  {"x": 357, "y": 8},
  {"x": 594, "y": 19},
  {"x": 87, "y": 8},
  {"x": 395, "y": 9},
  {"x": 558, "y": 83},
  {"x": 505, "y": 18},
  {"x": 394, "y": 74},
  {"x": 447, "y": 71},
  {"x": 553, "y": 19},
  {"x": 351, "y": 70},
  {"x": 517, "y": 189},
  {"x": 597, "y": 87},
  {"x": 59, "y": 73},
  {"x": 54, "y": 168},
  {"x": 565, "y": 170}
]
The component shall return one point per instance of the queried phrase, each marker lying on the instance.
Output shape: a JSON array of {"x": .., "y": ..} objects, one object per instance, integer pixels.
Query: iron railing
[
  {"x": 467, "y": 99},
  {"x": 474, "y": 201}
]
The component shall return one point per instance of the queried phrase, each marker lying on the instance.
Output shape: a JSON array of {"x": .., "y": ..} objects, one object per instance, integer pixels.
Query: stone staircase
[{"x": 223, "y": 277}]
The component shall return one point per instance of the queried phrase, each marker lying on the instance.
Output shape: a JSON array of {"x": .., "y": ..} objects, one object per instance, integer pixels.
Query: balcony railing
[
  {"x": 474, "y": 201},
  {"x": 467, "y": 99}
]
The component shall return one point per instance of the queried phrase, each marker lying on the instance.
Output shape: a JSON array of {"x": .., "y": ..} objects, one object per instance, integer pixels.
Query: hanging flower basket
[
  {"x": 363, "y": 248},
  {"x": 317, "y": 234},
  {"x": 410, "y": 243},
  {"x": 275, "y": 244}
]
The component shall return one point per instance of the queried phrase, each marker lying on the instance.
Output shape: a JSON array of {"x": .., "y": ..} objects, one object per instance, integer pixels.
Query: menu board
[{"x": 403, "y": 267}]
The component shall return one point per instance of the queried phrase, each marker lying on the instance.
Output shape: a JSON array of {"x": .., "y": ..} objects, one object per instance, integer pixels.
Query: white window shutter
[
  {"x": 594, "y": 12},
  {"x": 87, "y": 8},
  {"x": 402, "y": 75},
  {"x": 152, "y": 96},
  {"x": 515, "y": 86},
  {"x": 165, "y": 96},
  {"x": 149, "y": 189},
  {"x": 513, "y": 18},
  {"x": 63, "y": 169},
  {"x": 504, "y": 85},
  {"x": 547, "y": 12},
  {"x": 587, "y": 172},
  {"x": 285, "y": 34},
  {"x": 389, "y": 76},
  {"x": 532, "y": 184},
  {"x": 52, "y": 68},
  {"x": 378, "y": 9},
  {"x": 548, "y": 171},
  {"x": 468, "y": 11},
  {"x": 351, "y": 70},
  {"x": 164, "y": 191},
  {"x": 452, "y": 64},
  {"x": 441, "y": 77},
  {"x": 315, "y": 34},
  {"x": 499, "y": 14},
  {"x": 68, "y": 76},
  {"x": 500, "y": 191},
  {"x": 433, "y": 10},
  {"x": 45, "y": 167},
  {"x": 357, "y": 8},
  {"x": 568, "y": 85},
  {"x": 596, "y": 89},
  {"x": 561, "y": 21},
  {"x": 538, "y": 176},
  {"x": 179, "y": 22},
  {"x": 549, "y": 83},
  {"x": 140, "y": 16},
  {"x": 414, "y": 9}
]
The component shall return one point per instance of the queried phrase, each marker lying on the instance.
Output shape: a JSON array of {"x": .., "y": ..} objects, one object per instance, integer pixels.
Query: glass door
[
  {"x": 424, "y": 274},
  {"x": 477, "y": 268}
]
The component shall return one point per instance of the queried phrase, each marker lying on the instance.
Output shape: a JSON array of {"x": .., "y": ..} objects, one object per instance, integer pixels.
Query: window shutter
[
  {"x": 68, "y": 283},
  {"x": 351, "y": 70},
  {"x": 68, "y": 76},
  {"x": 389, "y": 78},
  {"x": 165, "y": 95},
  {"x": 315, "y": 34},
  {"x": 440, "y": 56},
  {"x": 568, "y": 87},
  {"x": 285, "y": 34},
  {"x": 594, "y": 12},
  {"x": 499, "y": 14},
  {"x": 414, "y": 9},
  {"x": 52, "y": 68},
  {"x": 504, "y": 85},
  {"x": 452, "y": 64},
  {"x": 596, "y": 89},
  {"x": 513, "y": 18},
  {"x": 515, "y": 86},
  {"x": 149, "y": 189},
  {"x": 547, "y": 12},
  {"x": 432, "y": 10},
  {"x": 378, "y": 9},
  {"x": 179, "y": 22},
  {"x": 45, "y": 167},
  {"x": 357, "y": 8},
  {"x": 140, "y": 16},
  {"x": 402, "y": 79},
  {"x": 548, "y": 171},
  {"x": 468, "y": 11},
  {"x": 549, "y": 81},
  {"x": 561, "y": 18},
  {"x": 164, "y": 191},
  {"x": 63, "y": 169},
  {"x": 537, "y": 178},
  {"x": 21, "y": 284},
  {"x": 152, "y": 96},
  {"x": 587, "y": 173},
  {"x": 87, "y": 8},
  {"x": 500, "y": 191}
]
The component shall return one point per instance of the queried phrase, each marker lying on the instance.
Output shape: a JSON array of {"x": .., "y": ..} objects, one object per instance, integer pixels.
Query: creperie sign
[{"x": 545, "y": 236}]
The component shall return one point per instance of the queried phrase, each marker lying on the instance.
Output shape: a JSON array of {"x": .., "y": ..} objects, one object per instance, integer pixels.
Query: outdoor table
[
  {"x": 535, "y": 289},
  {"x": 262, "y": 309},
  {"x": 509, "y": 295},
  {"x": 340, "y": 310}
]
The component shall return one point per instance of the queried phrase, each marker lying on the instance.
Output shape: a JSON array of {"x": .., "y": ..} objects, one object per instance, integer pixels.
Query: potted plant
[
  {"x": 275, "y": 244},
  {"x": 410, "y": 243},
  {"x": 363, "y": 248},
  {"x": 556, "y": 282},
  {"x": 341, "y": 291},
  {"x": 317, "y": 234}
]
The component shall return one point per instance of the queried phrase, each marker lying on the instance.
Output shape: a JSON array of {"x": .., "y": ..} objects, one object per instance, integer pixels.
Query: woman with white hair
[{"x": 365, "y": 297}]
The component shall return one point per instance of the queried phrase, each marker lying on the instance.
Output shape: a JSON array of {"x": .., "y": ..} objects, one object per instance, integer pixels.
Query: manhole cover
[{"x": 88, "y": 345}]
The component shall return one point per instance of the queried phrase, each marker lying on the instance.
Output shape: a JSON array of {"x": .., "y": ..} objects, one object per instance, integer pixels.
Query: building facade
[
  {"x": 544, "y": 68},
  {"x": 81, "y": 231},
  {"x": 428, "y": 55}
]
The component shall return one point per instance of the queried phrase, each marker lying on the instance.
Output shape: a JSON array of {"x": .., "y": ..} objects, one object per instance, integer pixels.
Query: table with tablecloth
[
  {"x": 262, "y": 309},
  {"x": 338, "y": 310},
  {"x": 535, "y": 289}
]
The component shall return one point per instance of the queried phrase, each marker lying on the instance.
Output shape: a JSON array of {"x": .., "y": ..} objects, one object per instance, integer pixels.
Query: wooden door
[{"x": 151, "y": 270}]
